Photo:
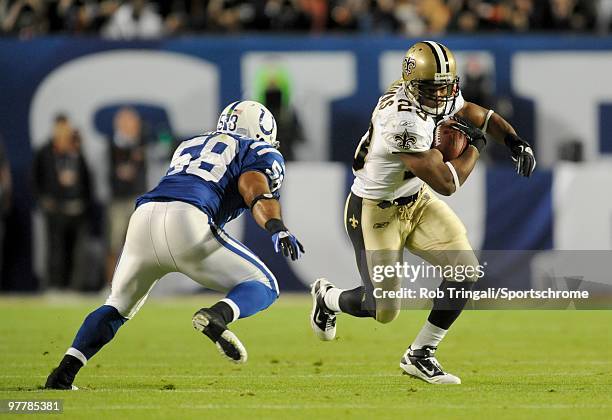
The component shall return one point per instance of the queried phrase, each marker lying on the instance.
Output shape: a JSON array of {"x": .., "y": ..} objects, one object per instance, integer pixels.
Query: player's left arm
[
  {"x": 502, "y": 131},
  {"x": 255, "y": 190}
]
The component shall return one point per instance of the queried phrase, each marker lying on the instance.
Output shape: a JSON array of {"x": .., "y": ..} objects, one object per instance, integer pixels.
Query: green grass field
[{"x": 514, "y": 364}]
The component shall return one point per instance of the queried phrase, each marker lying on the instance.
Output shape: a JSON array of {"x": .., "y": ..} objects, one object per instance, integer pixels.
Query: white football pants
[{"x": 166, "y": 237}]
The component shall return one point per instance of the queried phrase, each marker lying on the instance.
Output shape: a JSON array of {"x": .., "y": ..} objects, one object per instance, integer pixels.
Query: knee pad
[
  {"x": 467, "y": 267},
  {"x": 385, "y": 316}
]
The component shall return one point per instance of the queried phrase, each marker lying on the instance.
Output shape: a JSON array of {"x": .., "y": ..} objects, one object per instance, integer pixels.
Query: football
[{"x": 449, "y": 141}]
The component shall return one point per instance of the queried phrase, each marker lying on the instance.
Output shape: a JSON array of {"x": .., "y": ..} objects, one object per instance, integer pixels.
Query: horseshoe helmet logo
[{"x": 261, "y": 123}]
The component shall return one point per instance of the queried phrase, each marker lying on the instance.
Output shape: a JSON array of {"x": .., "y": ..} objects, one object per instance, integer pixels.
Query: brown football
[{"x": 449, "y": 141}]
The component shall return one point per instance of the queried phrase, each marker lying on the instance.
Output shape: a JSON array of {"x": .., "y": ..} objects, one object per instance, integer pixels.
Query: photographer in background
[{"x": 62, "y": 190}]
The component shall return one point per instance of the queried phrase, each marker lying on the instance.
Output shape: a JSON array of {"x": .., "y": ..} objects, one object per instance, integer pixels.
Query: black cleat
[
  {"x": 60, "y": 379},
  {"x": 211, "y": 324}
]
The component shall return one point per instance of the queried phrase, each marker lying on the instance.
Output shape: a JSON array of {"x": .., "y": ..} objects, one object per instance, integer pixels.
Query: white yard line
[{"x": 316, "y": 406}]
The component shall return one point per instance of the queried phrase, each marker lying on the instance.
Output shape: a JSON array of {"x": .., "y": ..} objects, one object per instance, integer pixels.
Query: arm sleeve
[{"x": 269, "y": 162}]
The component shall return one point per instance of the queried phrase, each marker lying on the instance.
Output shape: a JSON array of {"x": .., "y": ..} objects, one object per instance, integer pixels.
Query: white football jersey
[{"x": 397, "y": 126}]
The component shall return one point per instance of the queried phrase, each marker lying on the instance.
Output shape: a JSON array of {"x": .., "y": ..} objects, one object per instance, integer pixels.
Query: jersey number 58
[{"x": 211, "y": 162}]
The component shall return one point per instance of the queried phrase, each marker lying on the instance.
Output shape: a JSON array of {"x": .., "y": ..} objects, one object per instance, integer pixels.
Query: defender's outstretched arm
[
  {"x": 252, "y": 185},
  {"x": 266, "y": 210}
]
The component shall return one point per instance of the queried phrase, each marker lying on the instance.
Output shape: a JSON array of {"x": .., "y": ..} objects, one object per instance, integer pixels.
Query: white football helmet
[{"x": 250, "y": 119}]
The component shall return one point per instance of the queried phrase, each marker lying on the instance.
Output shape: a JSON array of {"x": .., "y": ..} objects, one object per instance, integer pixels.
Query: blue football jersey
[{"x": 205, "y": 170}]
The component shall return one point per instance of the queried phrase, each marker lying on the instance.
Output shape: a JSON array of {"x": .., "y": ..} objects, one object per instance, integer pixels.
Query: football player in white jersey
[{"x": 391, "y": 206}]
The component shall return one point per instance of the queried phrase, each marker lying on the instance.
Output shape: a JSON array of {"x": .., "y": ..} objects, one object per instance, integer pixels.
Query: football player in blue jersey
[{"x": 178, "y": 227}]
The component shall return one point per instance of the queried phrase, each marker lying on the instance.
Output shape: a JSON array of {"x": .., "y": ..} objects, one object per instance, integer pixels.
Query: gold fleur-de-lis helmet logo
[{"x": 408, "y": 65}]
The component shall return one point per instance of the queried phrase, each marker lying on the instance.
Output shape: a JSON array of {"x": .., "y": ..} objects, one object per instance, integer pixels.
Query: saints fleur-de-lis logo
[
  {"x": 405, "y": 140},
  {"x": 409, "y": 65}
]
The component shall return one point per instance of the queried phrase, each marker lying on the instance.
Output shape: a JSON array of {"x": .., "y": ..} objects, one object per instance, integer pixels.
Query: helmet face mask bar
[
  {"x": 434, "y": 98},
  {"x": 430, "y": 79}
]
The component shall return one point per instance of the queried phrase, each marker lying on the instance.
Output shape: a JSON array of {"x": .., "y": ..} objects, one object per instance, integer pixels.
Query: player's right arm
[
  {"x": 255, "y": 191},
  {"x": 413, "y": 148},
  {"x": 254, "y": 185},
  {"x": 430, "y": 167}
]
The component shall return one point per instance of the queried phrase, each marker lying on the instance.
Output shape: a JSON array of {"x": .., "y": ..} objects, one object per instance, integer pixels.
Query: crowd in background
[{"x": 144, "y": 19}]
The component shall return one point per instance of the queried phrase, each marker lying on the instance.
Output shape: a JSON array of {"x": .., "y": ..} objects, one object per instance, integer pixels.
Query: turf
[{"x": 514, "y": 364}]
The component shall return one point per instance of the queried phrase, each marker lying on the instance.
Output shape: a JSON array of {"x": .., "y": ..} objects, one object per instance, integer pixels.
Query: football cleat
[
  {"x": 322, "y": 319},
  {"x": 215, "y": 328},
  {"x": 59, "y": 379},
  {"x": 422, "y": 364}
]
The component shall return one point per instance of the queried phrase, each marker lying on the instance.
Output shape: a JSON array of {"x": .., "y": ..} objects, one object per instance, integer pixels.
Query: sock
[
  {"x": 332, "y": 299},
  {"x": 430, "y": 335},
  {"x": 98, "y": 329},
  {"x": 350, "y": 302},
  {"x": 251, "y": 297},
  {"x": 446, "y": 310},
  {"x": 224, "y": 309}
]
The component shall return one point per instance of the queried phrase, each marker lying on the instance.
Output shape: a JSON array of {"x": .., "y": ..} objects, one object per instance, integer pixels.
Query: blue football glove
[{"x": 283, "y": 240}]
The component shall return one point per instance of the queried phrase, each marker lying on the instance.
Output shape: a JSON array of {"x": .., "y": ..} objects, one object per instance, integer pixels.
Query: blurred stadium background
[{"x": 120, "y": 82}]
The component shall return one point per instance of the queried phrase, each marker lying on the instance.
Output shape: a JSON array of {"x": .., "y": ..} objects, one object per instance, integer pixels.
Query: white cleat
[
  {"x": 422, "y": 364},
  {"x": 322, "y": 319}
]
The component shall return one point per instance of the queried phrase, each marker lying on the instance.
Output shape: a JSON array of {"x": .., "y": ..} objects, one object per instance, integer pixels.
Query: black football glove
[
  {"x": 475, "y": 137},
  {"x": 283, "y": 240},
  {"x": 522, "y": 155}
]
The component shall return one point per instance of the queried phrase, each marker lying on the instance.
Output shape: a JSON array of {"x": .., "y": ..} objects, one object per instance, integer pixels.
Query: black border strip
[
  {"x": 435, "y": 54},
  {"x": 445, "y": 56}
]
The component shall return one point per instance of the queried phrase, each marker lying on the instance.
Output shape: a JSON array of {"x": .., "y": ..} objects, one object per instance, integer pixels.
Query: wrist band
[
  {"x": 275, "y": 225},
  {"x": 486, "y": 123},
  {"x": 479, "y": 143},
  {"x": 455, "y": 176},
  {"x": 511, "y": 139},
  {"x": 266, "y": 196}
]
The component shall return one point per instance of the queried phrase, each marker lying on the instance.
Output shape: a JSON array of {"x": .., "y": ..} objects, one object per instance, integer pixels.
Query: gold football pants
[{"x": 428, "y": 228}]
